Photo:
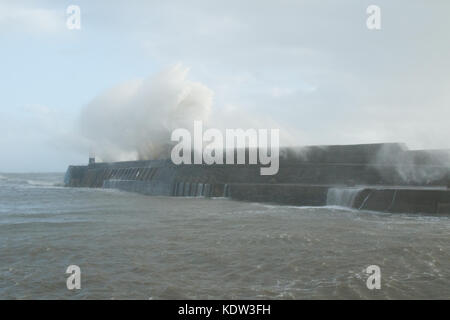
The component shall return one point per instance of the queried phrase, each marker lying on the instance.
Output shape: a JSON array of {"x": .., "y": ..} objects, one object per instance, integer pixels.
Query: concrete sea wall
[{"x": 350, "y": 176}]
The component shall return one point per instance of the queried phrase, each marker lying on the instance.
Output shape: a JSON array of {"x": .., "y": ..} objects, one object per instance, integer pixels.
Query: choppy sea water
[{"x": 131, "y": 246}]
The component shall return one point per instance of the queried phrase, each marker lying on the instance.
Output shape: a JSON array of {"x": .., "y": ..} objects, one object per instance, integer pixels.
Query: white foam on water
[{"x": 42, "y": 183}]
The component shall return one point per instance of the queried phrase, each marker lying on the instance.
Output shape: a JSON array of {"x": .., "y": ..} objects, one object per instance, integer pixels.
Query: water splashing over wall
[{"x": 343, "y": 197}]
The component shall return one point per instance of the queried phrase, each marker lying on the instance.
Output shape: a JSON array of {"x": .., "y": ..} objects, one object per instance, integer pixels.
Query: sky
[{"x": 310, "y": 68}]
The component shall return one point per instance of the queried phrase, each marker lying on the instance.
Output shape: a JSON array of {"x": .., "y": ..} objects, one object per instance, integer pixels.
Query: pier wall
[{"x": 350, "y": 176}]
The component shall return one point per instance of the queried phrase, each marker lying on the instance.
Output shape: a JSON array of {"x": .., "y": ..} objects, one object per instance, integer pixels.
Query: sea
[{"x": 132, "y": 246}]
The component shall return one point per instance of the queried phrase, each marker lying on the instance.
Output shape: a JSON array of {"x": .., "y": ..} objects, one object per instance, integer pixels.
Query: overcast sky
[{"x": 310, "y": 67}]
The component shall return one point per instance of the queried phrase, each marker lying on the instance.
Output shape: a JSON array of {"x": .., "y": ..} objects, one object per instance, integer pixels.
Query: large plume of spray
[
  {"x": 134, "y": 120},
  {"x": 420, "y": 167}
]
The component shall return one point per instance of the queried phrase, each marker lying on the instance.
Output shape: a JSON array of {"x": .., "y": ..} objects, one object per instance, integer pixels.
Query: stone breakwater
[{"x": 378, "y": 177}]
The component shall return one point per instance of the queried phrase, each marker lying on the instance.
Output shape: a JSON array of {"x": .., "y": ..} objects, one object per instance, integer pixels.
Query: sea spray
[
  {"x": 134, "y": 120},
  {"x": 343, "y": 197}
]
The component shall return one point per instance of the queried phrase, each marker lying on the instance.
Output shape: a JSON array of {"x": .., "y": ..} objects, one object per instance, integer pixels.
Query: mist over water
[{"x": 134, "y": 246}]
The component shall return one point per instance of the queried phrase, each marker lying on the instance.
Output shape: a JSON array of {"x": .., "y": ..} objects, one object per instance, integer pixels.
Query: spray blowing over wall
[{"x": 134, "y": 120}]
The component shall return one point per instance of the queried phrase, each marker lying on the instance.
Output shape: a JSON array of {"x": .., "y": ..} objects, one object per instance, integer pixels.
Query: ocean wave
[
  {"x": 44, "y": 183},
  {"x": 30, "y": 182}
]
